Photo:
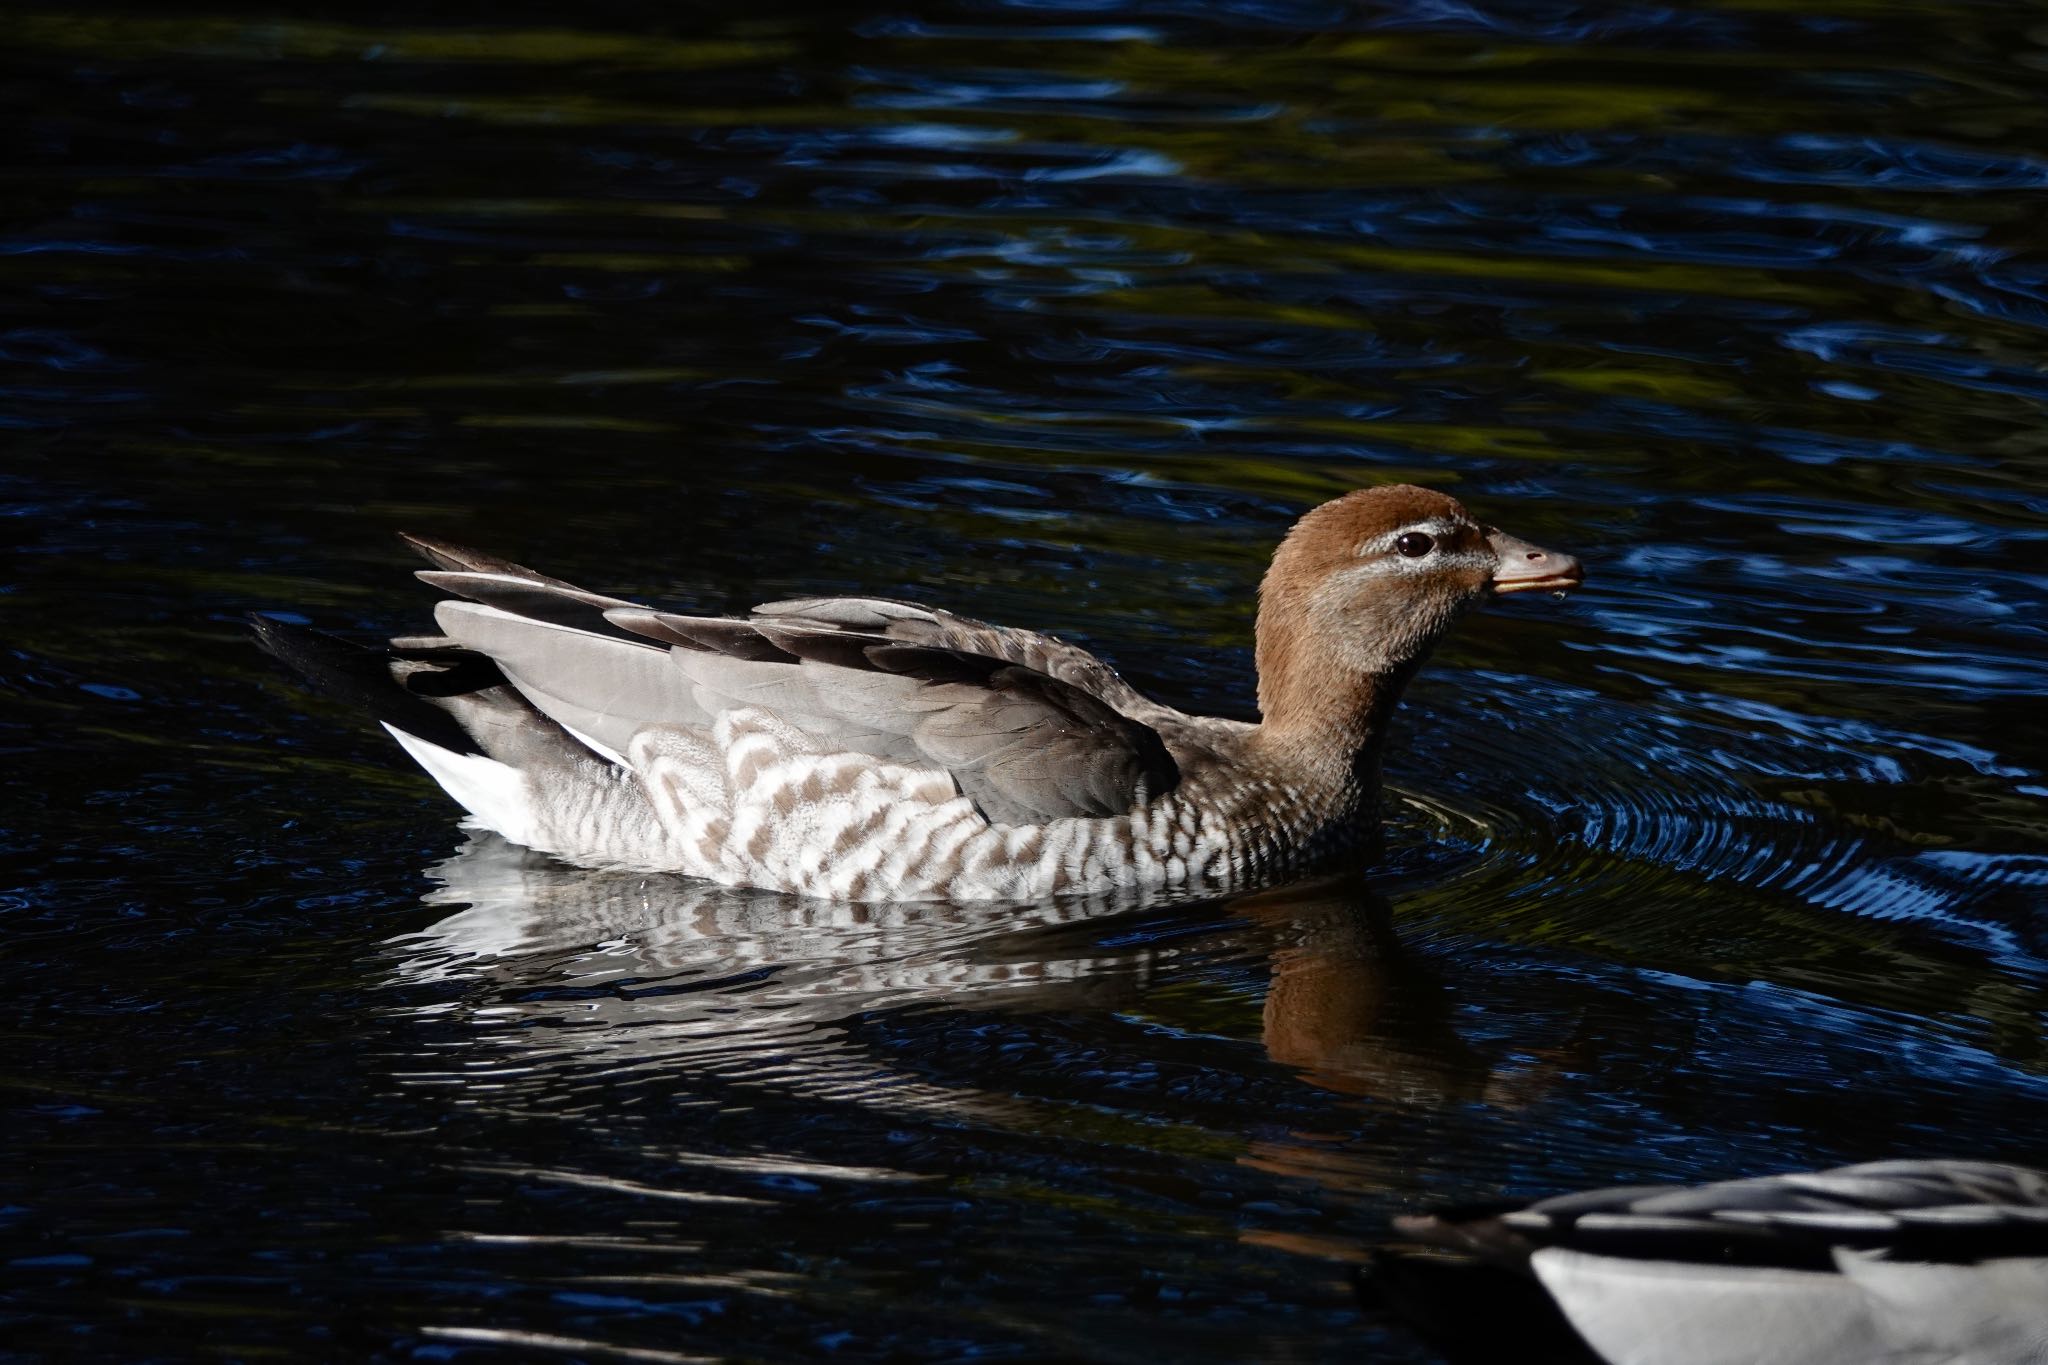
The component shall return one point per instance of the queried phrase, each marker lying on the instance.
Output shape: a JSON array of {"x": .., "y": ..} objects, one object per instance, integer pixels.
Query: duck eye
[{"x": 1415, "y": 545}]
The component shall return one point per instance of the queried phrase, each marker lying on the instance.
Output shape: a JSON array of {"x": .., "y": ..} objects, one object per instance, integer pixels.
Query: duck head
[{"x": 1364, "y": 586}]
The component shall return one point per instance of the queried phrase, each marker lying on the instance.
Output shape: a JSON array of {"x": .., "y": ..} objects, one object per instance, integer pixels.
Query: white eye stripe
[
  {"x": 1395, "y": 566},
  {"x": 1436, "y": 528}
]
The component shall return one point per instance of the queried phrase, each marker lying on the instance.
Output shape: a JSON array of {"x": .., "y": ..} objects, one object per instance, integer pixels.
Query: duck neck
[{"x": 1321, "y": 719}]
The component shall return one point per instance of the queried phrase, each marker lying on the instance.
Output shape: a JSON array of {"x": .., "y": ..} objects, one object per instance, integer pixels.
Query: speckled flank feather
[
  {"x": 756, "y": 802},
  {"x": 866, "y": 749}
]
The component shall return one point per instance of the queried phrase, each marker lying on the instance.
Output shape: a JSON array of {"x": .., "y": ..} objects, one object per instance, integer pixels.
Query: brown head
[{"x": 1364, "y": 586}]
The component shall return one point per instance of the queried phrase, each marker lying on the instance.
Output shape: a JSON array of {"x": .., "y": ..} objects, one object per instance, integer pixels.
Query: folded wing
[{"x": 1029, "y": 728}]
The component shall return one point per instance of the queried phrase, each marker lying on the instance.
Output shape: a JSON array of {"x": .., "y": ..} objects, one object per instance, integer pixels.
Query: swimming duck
[
  {"x": 1907, "y": 1262},
  {"x": 870, "y": 749}
]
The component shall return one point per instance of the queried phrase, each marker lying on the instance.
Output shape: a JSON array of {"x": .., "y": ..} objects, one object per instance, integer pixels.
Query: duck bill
[{"x": 1531, "y": 568}]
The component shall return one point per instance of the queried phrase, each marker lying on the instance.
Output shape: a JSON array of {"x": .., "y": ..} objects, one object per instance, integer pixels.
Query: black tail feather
[{"x": 378, "y": 681}]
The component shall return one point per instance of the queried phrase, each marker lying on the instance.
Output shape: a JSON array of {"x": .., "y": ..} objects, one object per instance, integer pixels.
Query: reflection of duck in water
[
  {"x": 526, "y": 919},
  {"x": 673, "y": 970},
  {"x": 1904, "y": 1262},
  {"x": 1353, "y": 1011},
  {"x": 865, "y": 749},
  {"x": 754, "y": 993}
]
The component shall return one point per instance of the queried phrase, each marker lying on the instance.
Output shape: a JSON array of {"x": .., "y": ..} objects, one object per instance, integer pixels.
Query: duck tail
[
  {"x": 453, "y": 711},
  {"x": 413, "y": 687}
]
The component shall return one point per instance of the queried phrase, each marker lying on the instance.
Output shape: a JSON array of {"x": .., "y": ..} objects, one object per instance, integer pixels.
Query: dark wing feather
[
  {"x": 913, "y": 624},
  {"x": 446, "y": 554},
  {"x": 717, "y": 634},
  {"x": 534, "y": 600},
  {"x": 463, "y": 572}
]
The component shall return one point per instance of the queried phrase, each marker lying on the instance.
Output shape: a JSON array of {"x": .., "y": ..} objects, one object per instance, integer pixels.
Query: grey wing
[
  {"x": 1023, "y": 745},
  {"x": 1021, "y": 732}
]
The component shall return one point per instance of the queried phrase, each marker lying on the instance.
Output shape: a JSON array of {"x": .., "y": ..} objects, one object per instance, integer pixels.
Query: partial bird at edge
[{"x": 1906, "y": 1262}]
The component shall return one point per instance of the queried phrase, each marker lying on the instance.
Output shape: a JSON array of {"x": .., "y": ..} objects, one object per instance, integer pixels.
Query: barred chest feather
[{"x": 761, "y": 803}]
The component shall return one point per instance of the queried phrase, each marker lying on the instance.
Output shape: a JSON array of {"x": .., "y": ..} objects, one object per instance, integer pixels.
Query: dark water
[{"x": 1732, "y": 863}]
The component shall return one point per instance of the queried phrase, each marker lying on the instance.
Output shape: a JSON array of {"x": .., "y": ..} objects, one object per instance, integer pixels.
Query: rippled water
[{"x": 1056, "y": 314}]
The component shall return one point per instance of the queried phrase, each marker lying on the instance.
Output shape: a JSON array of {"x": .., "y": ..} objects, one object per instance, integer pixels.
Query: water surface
[{"x": 1057, "y": 315}]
